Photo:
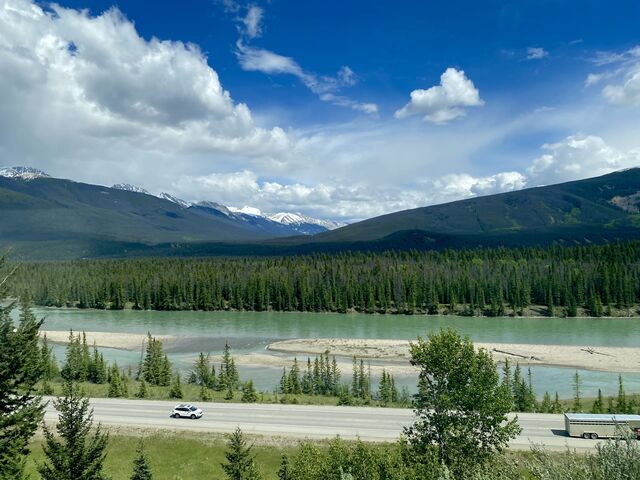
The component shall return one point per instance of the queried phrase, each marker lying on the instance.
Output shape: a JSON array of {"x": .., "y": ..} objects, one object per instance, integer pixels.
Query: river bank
[{"x": 601, "y": 358}]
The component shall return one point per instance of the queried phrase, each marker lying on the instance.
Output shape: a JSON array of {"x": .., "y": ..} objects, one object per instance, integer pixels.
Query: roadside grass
[{"x": 173, "y": 456}]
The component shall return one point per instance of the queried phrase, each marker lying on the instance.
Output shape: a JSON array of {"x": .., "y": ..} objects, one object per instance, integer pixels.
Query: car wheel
[
  {"x": 594, "y": 436},
  {"x": 193, "y": 417},
  {"x": 586, "y": 435}
]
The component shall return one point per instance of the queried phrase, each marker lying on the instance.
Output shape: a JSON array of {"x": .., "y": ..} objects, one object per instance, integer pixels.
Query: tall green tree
[
  {"x": 20, "y": 369},
  {"x": 240, "y": 464},
  {"x": 141, "y": 469},
  {"x": 78, "y": 453},
  {"x": 155, "y": 369},
  {"x": 461, "y": 407}
]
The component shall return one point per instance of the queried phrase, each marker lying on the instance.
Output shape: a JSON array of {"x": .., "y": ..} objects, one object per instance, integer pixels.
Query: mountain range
[{"x": 49, "y": 218}]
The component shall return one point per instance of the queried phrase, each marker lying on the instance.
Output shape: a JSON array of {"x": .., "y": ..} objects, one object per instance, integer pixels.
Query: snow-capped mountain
[
  {"x": 176, "y": 200},
  {"x": 246, "y": 210},
  {"x": 215, "y": 206},
  {"x": 288, "y": 218},
  {"x": 130, "y": 188},
  {"x": 24, "y": 173}
]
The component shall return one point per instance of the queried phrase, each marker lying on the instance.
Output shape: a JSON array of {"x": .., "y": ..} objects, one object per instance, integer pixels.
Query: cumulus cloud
[
  {"x": 463, "y": 185},
  {"x": 444, "y": 102},
  {"x": 579, "y": 156},
  {"x": 536, "y": 53},
  {"x": 78, "y": 81}
]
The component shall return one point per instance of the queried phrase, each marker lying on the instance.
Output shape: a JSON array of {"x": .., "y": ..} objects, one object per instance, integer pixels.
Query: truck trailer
[{"x": 601, "y": 425}]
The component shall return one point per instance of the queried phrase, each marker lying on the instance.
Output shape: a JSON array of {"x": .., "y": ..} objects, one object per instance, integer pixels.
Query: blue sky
[{"x": 306, "y": 106}]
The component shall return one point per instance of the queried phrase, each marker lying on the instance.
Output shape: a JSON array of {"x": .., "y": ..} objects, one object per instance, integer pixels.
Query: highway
[{"x": 305, "y": 421}]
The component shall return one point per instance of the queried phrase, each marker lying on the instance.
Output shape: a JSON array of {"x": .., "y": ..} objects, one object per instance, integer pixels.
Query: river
[{"x": 251, "y": 332}]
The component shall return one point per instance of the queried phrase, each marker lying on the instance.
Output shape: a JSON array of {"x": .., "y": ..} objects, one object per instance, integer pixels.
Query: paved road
[{"x": 298, "y": 421}]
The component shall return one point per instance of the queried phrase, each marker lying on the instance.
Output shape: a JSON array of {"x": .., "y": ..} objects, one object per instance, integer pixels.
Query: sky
[{"x": 338, "y": 110}]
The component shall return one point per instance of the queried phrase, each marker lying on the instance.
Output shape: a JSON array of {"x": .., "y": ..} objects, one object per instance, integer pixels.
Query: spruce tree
[
  {"x": 141, "y": 469},
  {"x": 249, "y": 394},
  {"x": 79, "y": 452},
  {"x": 598, "y": 404},
  {"x": 577, "y": 393},
  {"x": 284, "y": 472},
  {"x": 240, "y": 464},
  {"x": 20, "y": 369},
  {"x": 176, "y": 387},
  {"x": 142, "y": 389}
]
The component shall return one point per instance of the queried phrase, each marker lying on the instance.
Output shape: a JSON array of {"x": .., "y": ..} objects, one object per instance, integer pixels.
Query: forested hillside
[{"x": 565, "y": 281}]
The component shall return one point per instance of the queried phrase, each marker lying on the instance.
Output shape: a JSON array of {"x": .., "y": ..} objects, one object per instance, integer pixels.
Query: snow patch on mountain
[
  {"x": 127, "y": 187},
  {"x": 246, "y": 210},
  {"x": 24, "y": 173},
  {"x": 176, "y": 200},
  {"x": 288, "y": 218}
]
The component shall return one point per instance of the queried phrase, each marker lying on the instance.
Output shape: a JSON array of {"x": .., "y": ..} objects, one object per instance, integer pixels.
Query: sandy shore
[
  {"x": 122, "y": 341},
  {"x": 606, "y": 359}
]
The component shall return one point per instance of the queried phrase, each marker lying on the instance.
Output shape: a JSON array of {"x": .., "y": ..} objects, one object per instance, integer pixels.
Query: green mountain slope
[
  {"x": 598, "y": 207},
  {"x": 84, "y": 217}
]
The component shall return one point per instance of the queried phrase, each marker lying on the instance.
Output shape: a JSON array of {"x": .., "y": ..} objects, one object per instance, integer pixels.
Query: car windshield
[{"x": 193, "y": 409}]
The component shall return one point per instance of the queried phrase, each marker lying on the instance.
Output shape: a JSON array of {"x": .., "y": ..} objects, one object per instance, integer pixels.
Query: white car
[{"x": 186, "y": 410}]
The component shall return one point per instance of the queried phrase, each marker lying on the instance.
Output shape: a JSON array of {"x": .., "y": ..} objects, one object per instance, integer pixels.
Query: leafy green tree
[
  {"x": 79, "y": 452},
  {"x": 284, "y": 472},
  {"x": 461, "y": 407},
  {"x": 240, "y": 464},
  {"x": 141, "y": 469},
  {"x": 20, "y": 369}
]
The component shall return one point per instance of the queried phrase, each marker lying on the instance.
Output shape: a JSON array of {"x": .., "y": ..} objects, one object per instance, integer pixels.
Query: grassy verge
[{"x": 174, "y": 456}]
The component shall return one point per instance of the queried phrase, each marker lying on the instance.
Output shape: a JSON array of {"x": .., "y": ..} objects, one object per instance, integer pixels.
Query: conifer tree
[
  {"x": 598, "y": 405},
  {"x": 20, "y": 369},
  {"x": 621, "y": 401},
  {"x": 79, "y": 452},
  {"x": 155, "y": 369},
  {"x": 546, "y": 406},
  {"x": 141, "y": 469},
  {"x": 176, "y": 387},
  {"x": 249, "y": 394},
  {"x": 142, "y": 389},
  {"x": 284, "y": 472},
  {"x": 577, "y": 393},
  {"x": 240, "y": 463},
  {"x": 117, "y": 387}
]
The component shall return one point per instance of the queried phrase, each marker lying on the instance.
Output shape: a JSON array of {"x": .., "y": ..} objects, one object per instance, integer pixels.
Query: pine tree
[
  {"x": 155, "y": 369},
  {"x": 577, "y": 394},
  {"x": 621, "y": 401},
  {"x": 20, "y": 369},
  {"x": 249, "y": 394},
  {"x": 240, "y": 464},
  {"x": 546, "y": 406},
  {"x": 142, "y": 389},
  {"x": 79, "y": 452},
  {"x": 557, "y": 406},
  {"x": 176, "y": 387},
  {"x": 205, "y": 396},
  {"x": 116, "y": 385},
  {"x": 141, "y": 469},
  {"x": 598, "y": 404}
]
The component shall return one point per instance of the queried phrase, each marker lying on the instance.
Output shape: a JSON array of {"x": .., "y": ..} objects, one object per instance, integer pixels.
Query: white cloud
[
  {"x": 464, "y": 185},
  {"x": 577, "y": 157},
  {"x": 77, "y": 81},
  {"x": 252, "y": 21},
  {"x": 536, "y": 53},
  {"x": 445, "y": 102},
  {"x": 624, "y": 89}
]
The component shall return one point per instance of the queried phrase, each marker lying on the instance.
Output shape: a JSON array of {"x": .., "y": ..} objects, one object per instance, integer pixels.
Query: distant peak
[
  {"x": 288, "y": 218},
  {"x": 254, "y": 212},
  {"x": 176, "y": 200},
  {"x": 127, "y": 187},
  {"x": 24, "y": 173},
  {"x": 214, "y": 206}
]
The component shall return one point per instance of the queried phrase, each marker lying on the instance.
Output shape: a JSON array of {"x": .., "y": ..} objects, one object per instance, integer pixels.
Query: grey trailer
[{"x": 601, "y": 425}]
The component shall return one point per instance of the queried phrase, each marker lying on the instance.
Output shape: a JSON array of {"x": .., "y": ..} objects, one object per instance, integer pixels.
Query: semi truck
[{"x": 598, "y": 425}]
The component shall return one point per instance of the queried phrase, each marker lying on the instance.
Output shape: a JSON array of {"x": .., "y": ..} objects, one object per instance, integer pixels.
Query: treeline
[{"x": 566, "y": 280}]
